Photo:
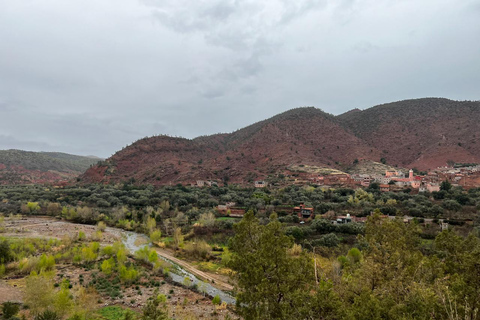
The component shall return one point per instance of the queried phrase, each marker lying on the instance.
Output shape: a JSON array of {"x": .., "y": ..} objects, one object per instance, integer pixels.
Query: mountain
[
  {"x": 25, "y": 167},
  {"x": 421, "y": 133}
]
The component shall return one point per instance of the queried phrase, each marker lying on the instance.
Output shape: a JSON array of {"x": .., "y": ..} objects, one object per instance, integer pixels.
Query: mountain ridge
[
  {"x": 422, "y": 133},
  {"x": 26, "y": 167}
]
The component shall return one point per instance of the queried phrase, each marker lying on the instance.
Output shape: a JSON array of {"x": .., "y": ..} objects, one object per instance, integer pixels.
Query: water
[{"x": 178, "y": 275}]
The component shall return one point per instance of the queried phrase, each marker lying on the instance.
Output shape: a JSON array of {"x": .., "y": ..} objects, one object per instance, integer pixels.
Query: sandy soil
[
  {"x": 40, "y": 227},
  {"x": 10, "y": 291}
]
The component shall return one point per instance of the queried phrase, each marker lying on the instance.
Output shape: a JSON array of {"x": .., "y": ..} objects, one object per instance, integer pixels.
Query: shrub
[
  {"x": 328, "y": 240},
  {"x": 81, "y": 236},
  {"x": 198, "y": 249},
  {"x": 155, "y": 236},
  {"x": 9, "y": 310},
  {"x": 47, "y": 315},
  {"x": 129, "y": 274},
  {"x": 108, "y": 266},
  {"x": 102, "y": 226},
  {"x": 5, "y": 251},
  {"x": 216, "y": 300}
]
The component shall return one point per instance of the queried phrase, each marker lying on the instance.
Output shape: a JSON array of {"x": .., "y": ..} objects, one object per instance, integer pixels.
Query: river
[{"x": 178, "y": 274}]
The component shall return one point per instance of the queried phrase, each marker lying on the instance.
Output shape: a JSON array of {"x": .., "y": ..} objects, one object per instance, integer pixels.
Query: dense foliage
[{"x": 391, "y": 275}]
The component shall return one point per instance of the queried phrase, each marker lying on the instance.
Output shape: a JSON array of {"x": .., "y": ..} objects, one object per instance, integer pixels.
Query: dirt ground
[
  {"x": 40, "y": 227},
  {"x": 10, "y": 291},
  {"x": 181, "y": 301}
]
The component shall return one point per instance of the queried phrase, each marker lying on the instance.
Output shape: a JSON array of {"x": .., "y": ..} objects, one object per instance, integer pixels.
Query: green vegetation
[
  {"x": 383, "y": 269},
  {"x": 45, "y": 161},
  {"x": 392, "y": 274},
  {"x": 116, "y": 313}
]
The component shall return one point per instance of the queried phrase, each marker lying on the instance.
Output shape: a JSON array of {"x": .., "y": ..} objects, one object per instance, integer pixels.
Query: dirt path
[{"x": 203, "y": 275}]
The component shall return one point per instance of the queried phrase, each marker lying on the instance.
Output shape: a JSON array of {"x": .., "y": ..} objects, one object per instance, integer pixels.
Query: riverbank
[{"x": 181, "y": 298}]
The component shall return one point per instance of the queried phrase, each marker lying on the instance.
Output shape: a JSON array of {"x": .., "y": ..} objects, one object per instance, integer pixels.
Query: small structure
[
  {"x": 303, "y": 212},
  {"x": 384, "y": 188},
  {"x": 260, "y": 184},
  {"x": 344, "y": 219}
]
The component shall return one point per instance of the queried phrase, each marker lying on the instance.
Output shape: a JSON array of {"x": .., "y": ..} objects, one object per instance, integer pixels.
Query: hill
[
  {"x": 421, "y": 133},
  {"x": 24, "y": 167}
]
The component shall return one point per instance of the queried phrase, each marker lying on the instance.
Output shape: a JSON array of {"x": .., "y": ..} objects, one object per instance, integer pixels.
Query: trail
[{"x": 203, "y": 275}]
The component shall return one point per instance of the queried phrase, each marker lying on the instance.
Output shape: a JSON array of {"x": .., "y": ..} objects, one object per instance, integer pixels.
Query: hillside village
[
  {"x": 466, "y": 177},
  {"x": 392, "y": 180}
]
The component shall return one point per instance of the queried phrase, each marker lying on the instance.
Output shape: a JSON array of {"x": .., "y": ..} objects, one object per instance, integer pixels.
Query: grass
[
  {"x": 213, "y": 267},
  {"x": 228, "y": 219},
  {"x": 111, "y": 313}
]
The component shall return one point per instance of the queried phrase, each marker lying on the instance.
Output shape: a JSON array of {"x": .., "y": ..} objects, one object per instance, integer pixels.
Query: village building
[
  {"x": 303, "y": 212},
  {"x": 344, "y": 219},
  {"x": 384, "y": 187},
  {"x": 260, "y": 184}
]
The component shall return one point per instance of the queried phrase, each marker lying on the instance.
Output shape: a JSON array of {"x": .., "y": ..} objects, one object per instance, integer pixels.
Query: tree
[
  {"x": 272, "y": 284},
  {"x": 5, "y": 251},
  {"x": 207, "y": 219},
  {"x": 177, "y": 238},
  {"x": 63, "y": 300},
  {"x": 101, "y": 226},
  {"x": 155, "y": 308},
  {"x": 85, "y": 301},
  {"x": 33, "y": 207},
  {"x": 108, "y": 266},
  {"x": 54, "y": 209},
  {"x": 156, "y": 236},
  {"x": 39, "y": 293},
  {"x": 445, "y": 185}
]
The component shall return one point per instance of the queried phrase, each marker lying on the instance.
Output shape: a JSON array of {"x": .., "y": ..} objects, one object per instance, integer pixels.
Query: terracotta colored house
[
  {"x": 303, "y": 212},
  {"x": 384, "y": 188}
]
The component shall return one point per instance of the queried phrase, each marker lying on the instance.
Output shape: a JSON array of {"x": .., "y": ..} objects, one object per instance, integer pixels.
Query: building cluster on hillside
[
  {"x": 204, "y": 183},
  {"x": 396, "y": 180},
  {"x": 392, "y": 180}
]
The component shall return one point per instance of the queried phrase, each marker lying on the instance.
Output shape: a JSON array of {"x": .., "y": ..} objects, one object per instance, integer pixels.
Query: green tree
[
  {"x": 272, "y": 284},
  {"x": 446, "y": 185},
  {"x": 33, "y": 207},
  {"x": 108, "y": 266},
  {"x": 39, "y": 293},
  {"x": 5, "y": 251},
  {"x": 63, "y": 300}
]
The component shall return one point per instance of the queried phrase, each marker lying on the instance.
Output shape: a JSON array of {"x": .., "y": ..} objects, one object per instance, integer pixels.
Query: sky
[{"x": 90, "y": 77}]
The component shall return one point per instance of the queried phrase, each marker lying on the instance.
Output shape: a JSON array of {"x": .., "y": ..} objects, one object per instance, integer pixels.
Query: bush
[
  {"x": 102, "y": 226},
  {"x": 9, "y": 310},
  {"x": 198, "y": 249},
  {"x": 216, "y": 300},
  {"x": 296, "y": 232},
  {"x": 5, "y": 251},
  {"x": 323, "y": 225},
  {"x": 329, "y": 240},
  {"x": 47, "y": 315},
  {"x": 155, "y": 236}
]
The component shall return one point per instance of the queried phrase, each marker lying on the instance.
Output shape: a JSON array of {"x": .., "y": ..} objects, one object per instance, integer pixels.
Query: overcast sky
[{"x": 92, "y": 76}]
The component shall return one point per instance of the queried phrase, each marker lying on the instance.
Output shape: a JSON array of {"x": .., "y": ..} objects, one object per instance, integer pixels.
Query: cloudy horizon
[{"x": 91, "y": 77}]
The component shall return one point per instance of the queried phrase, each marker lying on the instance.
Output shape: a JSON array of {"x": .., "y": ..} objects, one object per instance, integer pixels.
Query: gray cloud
[{"x": 91, "y": 77}]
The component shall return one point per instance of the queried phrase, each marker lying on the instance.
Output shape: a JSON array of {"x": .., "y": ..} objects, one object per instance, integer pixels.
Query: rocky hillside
[
  {"x": 24, "y": 167},
  {"x": 423, "y": 133}
]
